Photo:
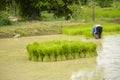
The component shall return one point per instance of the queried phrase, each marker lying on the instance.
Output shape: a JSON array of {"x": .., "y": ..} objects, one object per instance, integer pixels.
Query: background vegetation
[
  {"x": 4, "y": 20},
  {"x": 37, "y": 17},
  {"x": 65, "y": 9}
]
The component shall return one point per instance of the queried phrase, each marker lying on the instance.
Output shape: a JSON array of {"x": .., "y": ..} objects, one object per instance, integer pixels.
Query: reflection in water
[
  {"x": 109, "y": 58},
  {"x": 108, "y": 61},
  {"x": 99, "y": 44}
]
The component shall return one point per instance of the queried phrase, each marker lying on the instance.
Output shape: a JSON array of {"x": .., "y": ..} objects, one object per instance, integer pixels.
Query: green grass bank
[
  {"x": 59, "y": 27},
  {"x": 34, "y": 28}
]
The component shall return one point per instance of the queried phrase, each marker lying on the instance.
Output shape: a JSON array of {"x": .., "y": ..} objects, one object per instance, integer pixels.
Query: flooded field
[
  {"x": 108, "y": 61},
  {"x": 109, "y": 58},
  {"x": 14, "y": 63}
]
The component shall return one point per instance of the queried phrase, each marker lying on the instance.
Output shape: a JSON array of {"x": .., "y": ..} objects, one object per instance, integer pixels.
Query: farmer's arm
[{"x": 93, "y": 30}]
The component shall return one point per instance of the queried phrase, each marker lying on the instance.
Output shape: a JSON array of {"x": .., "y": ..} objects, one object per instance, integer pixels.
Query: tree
[
  {"x": 84, "y": 2},
  {"x": 8, "y": 5},
  {"x": 3, "y": 4},
  {"x": 31, "y": 9},
  {"x": 27, "y": 9},
  {"x": 62, "y": 7}
]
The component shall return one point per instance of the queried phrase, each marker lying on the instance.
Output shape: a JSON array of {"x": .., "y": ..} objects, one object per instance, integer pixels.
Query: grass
[
  {"x": 45, "y": 28},
  {"x": 101, "y": 14},
  {"x": 60, "y": 50},
  {"x": 33, "y": 28},
  {"x": 86, "y": 29}
]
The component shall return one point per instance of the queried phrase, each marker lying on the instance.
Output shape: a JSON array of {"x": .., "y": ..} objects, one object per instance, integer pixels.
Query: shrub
[
  {"x": 60, "y": 50},
  {"x": 4, "y": 20}
]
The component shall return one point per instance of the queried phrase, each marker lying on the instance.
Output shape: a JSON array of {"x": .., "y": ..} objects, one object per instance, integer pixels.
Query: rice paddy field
[
  {"x": 14, "y": 62},
  {"x": 59, "y": 27},
  {"x": 86, "y": 29},
  {"x": 14, "y": 57},
  {"x": 15, "y": 65}
]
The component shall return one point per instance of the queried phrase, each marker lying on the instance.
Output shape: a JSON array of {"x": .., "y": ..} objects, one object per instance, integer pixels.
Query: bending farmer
[{"x": 97, "y": 31}]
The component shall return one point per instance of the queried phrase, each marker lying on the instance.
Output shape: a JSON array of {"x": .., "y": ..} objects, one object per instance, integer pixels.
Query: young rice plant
[{"x": 60, "y": 50}]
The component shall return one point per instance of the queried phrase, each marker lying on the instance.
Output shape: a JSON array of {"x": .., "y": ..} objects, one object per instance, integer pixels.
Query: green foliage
[
  {"x": 4, "y": 4},
  {"x": 60, "y": 50},
  {"x": 65, "y": 9},
  {"x": 116, "y": 4},
  {"x": 29, "y": 9},
  {"x": 84, "y": 2},
  {"x": 76, "y": 9},
  {"x": 45, "y": 16},
  {"x": 105, "y": 3},
  {"x": 4, "y": 20}
]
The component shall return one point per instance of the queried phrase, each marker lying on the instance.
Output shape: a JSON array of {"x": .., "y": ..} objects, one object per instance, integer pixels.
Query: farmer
[{"x": 97, "y": 31}]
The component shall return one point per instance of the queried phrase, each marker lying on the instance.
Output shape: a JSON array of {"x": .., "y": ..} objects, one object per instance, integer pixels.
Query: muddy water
[
  {"x": 14, "y": 63},
  {"x": 108, "y": 61}
]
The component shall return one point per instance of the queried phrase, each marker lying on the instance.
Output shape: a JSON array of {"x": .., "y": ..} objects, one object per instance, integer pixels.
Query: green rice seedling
[
  {"x": 47, "y": 54},
  {"x": 61, "y": 54},
  {"x": 75, "y": 49},
  {"x": 60, "y": 50},
  {"x": 91, "y": 48},
  {"x": 29, "y": 51},
  {"x": 34, "y": 51},
  {"x": 86, "y": 29},
  {"x": 52, "y": 55},
  {"x": 41, "y": 53},
  {"x": 55, "y": 53},
  {"x": 65, "y": 50},
  {"x": 80, "y": 50},
  {"x": 111, "y": 28},
  {"x": 36, "y": 55}
]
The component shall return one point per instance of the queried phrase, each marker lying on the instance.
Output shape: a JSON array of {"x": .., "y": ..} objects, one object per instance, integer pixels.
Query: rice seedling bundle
[{"x": 60, "y": 50}]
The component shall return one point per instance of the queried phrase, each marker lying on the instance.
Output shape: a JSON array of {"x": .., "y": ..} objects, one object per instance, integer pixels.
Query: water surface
[
  {"x": 14, "y": 63},
  {"x": 108, "y": 61}
]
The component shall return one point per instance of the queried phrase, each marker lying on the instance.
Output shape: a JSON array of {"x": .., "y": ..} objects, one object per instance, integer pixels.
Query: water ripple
[{"x": 108, "y": 62}]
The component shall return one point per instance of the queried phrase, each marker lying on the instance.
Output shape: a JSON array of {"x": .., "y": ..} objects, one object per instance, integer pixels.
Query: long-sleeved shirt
[{"x": 94, "y": 29}]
